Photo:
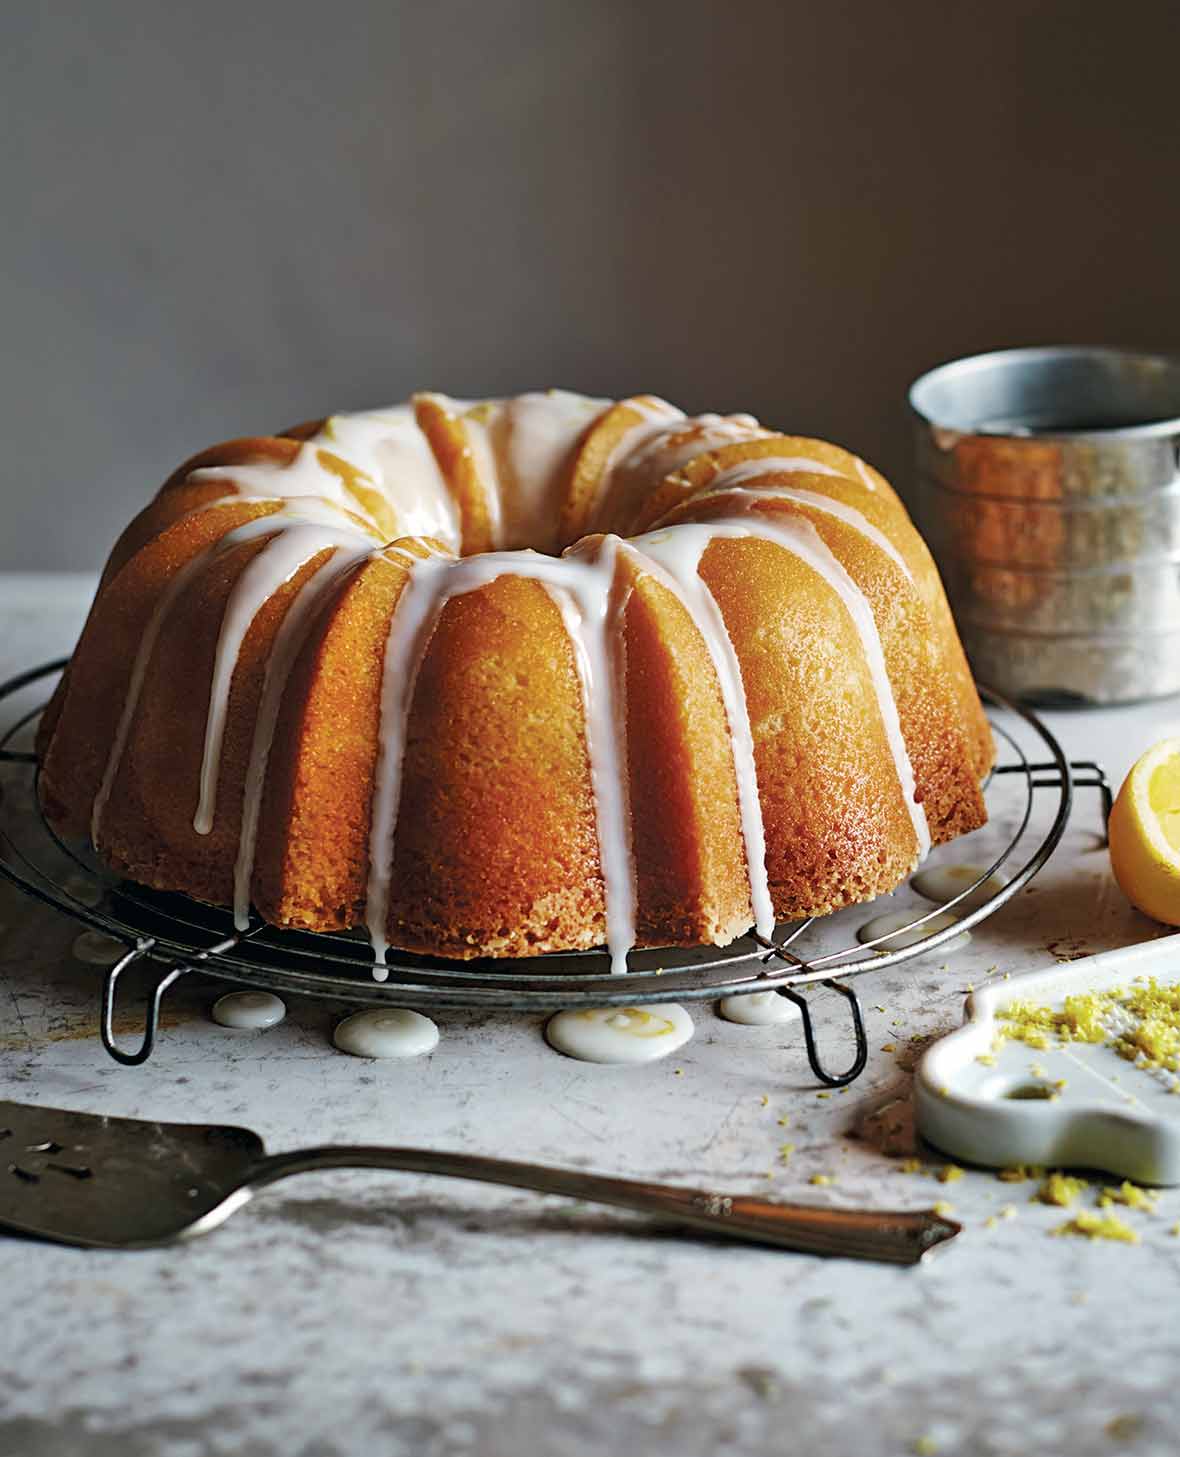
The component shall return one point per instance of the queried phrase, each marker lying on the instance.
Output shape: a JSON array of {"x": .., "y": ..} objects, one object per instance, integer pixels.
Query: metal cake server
[{"x": 124, "y": 1183}]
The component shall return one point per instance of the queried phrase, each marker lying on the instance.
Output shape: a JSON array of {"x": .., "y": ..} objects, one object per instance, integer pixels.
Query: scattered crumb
[
  {"x": 1098, "y": 1226},
  {"x": 821, "y": 1179},
  {"x": 949, "y": 1173},
  {"x": 678, "y": 1072},
  {"x": 889, "y": 1047},
  {"x": 925, "y": 1447},
  {"x": 944, "y": 1209},
  {"x": 1125, "y": 1427},
  {"x": 880, "y": 1008},
  {"x": 762, "y": 1380},
  {"x": 785, "y": 1150},
  {"x": 1175, "y": 1229},
  {"x": 784, "y": 1121},
  {"x": 970, "y": 986},
  {"x": 987, "y": 1058},
  {"x": 765, "y": 1099},
  {"x": 1130, "y": 1195},
  {"x": 1018, "y": 1173},
  {"x": 910, "y": 1166},
  {"x": 823, "y": 1095},
  {"x": 1060, "y": 1189},
  {"x": 1038, "y": 1070}
]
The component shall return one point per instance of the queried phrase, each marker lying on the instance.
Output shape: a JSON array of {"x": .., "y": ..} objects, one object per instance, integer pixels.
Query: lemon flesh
[
  {"x": 1163, "y": 795},
  {"x": 1144, "y": 833}
]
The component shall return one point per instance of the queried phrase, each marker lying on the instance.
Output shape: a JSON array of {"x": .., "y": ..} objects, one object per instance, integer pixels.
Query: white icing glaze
[
  {"x": 759, "y": 1009},
  {"x": 941, "y": 883},
  {"x": 301, "y": 513},
  {"x": 620, "y": 1034},
  {"x": 306, "y": 475},
  {"x": 741, "y": 480},
  {"x": 802, "y": 539},
  {"x": 679, "y": 553},
  {"x": 288, "y": 641},
  {"x": 409, "y": 631},
  {"x": 96, "y": 948},
  {"x": 147, "y": 644},
  {"x": 272, "y": 567},
  {"x": 385, "y": 447},
  {"x": 581, "y": 589},
  {"x": 482, "y": 423},
  {"x": 670, "y": 446},
  {"x": 658, "y": 417},
  {"x": 663, "y": 441},
  {"x": 249, "y": 1010},
  {"x": 894, "y": 921},
  {"x": 585, "y": 605},
  {"x": 386, "y": 1032},
  {"x": 391, "y": 451},
  {"x": 542, "y": 430}
]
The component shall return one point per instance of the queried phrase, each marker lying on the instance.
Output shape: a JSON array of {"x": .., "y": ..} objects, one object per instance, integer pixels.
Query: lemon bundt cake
[{"x": 524, "y": 675}]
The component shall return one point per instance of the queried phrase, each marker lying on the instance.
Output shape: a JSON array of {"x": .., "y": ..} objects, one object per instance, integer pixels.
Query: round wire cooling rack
[{"x": 177, "y": 935}]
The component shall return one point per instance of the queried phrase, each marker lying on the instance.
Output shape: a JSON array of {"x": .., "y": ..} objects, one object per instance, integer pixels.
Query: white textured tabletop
[{"x": 369, "y": 1313}]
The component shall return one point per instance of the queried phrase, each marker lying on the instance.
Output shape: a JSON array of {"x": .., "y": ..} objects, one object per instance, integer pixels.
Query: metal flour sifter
[{"x": 1048, "y": 487}]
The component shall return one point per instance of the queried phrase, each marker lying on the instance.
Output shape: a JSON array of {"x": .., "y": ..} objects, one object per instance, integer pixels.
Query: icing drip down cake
[{"x": 516, "y": 676}]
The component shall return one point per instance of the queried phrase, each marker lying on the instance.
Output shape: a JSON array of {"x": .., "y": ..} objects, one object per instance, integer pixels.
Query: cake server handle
[{"x": 899, "y": 1237}]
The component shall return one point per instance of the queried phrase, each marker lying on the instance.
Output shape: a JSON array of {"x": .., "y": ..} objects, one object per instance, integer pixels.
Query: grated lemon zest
[
  {"x": 1060, "y": 1189},
  {"x": 1098, "y": 1226},
  {"x": 1131, "y": 1195}
]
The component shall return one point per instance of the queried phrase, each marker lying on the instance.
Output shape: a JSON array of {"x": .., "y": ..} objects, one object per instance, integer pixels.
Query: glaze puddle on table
[
  {"x": 620, "y": 1034},
  {"x": 386, "y": 1032}
]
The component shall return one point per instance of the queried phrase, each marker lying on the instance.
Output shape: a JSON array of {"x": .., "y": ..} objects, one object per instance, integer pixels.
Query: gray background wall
[{"x": 225, "y": 217}]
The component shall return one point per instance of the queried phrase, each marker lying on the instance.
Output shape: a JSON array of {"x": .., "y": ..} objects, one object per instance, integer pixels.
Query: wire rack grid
[{"x": 178, "y": 935}]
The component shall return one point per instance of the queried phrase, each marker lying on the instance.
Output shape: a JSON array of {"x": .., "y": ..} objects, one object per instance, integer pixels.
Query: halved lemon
[{"x": 1145, "y": 833}]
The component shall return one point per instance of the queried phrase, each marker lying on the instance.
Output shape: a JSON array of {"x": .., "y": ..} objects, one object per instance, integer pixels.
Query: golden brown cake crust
[{"x": 504, "y": 840}]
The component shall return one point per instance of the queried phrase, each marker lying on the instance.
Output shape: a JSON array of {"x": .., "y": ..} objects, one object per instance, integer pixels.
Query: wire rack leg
[
  {"x": 861, "y": 1055},
  {"x": 152, "y": 1016}
]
